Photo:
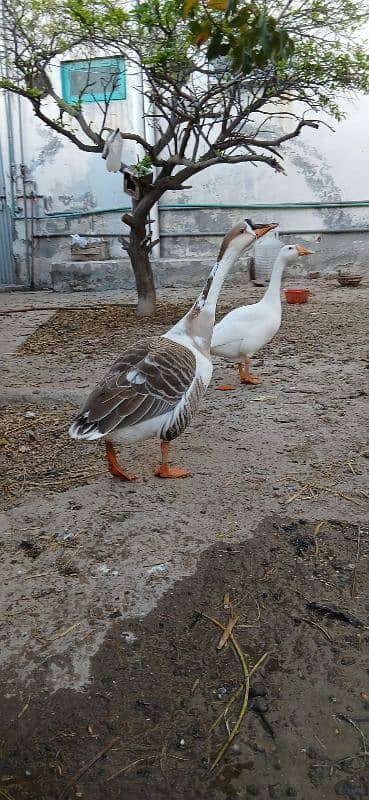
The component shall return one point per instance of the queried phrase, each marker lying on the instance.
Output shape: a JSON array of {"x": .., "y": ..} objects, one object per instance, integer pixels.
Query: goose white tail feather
[{"x": 81, "y": 429}]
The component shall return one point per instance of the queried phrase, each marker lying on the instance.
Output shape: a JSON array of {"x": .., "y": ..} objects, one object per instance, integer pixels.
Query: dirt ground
[{"x": 111, "y": 678}]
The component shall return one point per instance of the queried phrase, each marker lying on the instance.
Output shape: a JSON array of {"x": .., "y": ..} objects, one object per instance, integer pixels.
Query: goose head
[
  {"x": 241, "y": 237},
  {"x": 290, "y": 252}
]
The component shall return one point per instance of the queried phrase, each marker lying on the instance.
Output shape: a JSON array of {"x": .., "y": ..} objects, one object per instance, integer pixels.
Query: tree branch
[{"x": 55, "y": 126}]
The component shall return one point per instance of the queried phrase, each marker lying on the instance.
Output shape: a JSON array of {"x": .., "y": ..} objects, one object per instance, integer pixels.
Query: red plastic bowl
[{"x": 297, "y": 295}]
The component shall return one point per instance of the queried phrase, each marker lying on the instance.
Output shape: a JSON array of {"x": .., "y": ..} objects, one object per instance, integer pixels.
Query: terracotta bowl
[
  {"x": 297, "y": 295},
  {"x": 348, "y": 279}
]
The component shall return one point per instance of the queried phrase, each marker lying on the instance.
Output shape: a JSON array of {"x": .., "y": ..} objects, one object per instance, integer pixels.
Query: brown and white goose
[{"x": 155, "y": 387}]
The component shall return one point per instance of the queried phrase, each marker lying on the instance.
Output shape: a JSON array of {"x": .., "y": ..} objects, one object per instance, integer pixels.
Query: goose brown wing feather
[
  {"x": 131, "y": 415},
  {"x": 147, "y": 380}
]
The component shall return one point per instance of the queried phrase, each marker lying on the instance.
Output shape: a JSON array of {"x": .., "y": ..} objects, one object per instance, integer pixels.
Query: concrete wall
[{"x": 321, "y": 167}]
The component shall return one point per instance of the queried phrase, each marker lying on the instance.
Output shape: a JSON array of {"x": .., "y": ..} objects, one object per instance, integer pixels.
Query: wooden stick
[
  {"x": 246, "y": 688},
  {"x": 316, "y": 625},
  {"x": 90, "y": 764},
  {"x": 236, "y": 694},
  {"x": 227, "y": 632},
  {"x": 127, "y": 767}
]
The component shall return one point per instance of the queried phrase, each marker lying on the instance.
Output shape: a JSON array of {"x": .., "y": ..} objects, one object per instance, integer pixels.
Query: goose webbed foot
[
  {"x": 165, "y": 471},
  {"x": 114, "y": 467},
  {"x": 245, "y": 374}
]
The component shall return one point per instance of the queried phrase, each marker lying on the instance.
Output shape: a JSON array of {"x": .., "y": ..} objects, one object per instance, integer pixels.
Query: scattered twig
[
  {"x": 224, "y": 710},
  {"x": 128, "y": 766},
  {"x": 237, "y": 693},
  {"x": 363, "y": 754},
  {"x": 245, "y": 686},
  {"x": 315, "y": 534},
  {"x": 339, "y": 494},
  {"x": 64, "y": 633},
  {"x": 90, "y": 764},
  {"x": 315, "y": 488},
  {"x": 5, "y": 794},
  {"x": 320, "y": 741},
  {"x": 33, "y": 575},
  {"x": 316, "y": 625},
  {"x": 22, "y": 711},
  {"x": 268, "y": 573},
  {"x": 227, "y": 632},
  {"x": 297, "y": 494},
  {"x": 332, "y": 764},
  {"x": 350, "y": 721},
  {"x": 353, "y": 584},
  {"x": 246, "y": 689}
]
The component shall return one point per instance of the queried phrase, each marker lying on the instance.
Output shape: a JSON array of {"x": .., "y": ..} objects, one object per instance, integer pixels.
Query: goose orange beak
[
  {"x": 303, "y": 251},
  {"x": 262, "y": 229}
]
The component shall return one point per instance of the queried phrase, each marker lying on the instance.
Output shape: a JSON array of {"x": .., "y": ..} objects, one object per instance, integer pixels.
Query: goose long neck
[
  {"x": 210, "y": 293},
  {"x": 199, "y": 321},
  {"x": 274, "y": 289}
]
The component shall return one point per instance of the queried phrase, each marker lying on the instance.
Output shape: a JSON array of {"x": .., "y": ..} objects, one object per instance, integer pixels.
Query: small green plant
[{"x": 143, "y": 167}]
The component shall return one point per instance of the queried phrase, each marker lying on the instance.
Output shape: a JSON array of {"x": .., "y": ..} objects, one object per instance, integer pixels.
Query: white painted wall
[{"x": 320, "y": 165}]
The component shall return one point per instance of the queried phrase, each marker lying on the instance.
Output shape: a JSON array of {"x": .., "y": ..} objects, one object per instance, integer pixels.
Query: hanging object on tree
[
  {"x": 112, "y": 151},
  {"x": 135, "y": 183}
]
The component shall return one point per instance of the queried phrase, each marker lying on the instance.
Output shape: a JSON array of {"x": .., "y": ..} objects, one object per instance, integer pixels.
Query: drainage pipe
[
  {"x": 22, "y": 167},
  {"x": 199, "y": 206},
  {"x": 198, "y": 234}
]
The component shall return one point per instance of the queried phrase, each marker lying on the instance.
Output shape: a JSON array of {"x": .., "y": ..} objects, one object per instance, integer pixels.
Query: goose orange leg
[
  {"x": 165, "y": 471},
  {"x": 245, "y": 374},
  {"x": 115, "y": 468}
]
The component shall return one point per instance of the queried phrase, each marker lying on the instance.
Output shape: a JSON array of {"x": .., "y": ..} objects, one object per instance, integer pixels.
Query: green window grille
[{"x": 96, "y": 80}]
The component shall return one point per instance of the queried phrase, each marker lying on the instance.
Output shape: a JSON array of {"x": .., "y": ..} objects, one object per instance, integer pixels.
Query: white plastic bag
[{"x": 113, "y": 151}]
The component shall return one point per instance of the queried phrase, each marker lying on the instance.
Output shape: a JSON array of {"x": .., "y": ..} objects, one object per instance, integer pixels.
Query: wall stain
[
  {"x": 78, "y": 202},
  {"x": 318, "y": 176},
  {"x": 48, "y": 152}
]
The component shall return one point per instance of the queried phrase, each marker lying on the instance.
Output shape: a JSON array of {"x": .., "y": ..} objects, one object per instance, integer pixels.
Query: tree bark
[{"x": 138, "y": 253}]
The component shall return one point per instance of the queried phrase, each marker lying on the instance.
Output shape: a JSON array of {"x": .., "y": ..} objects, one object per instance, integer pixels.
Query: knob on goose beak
[
  {"x": 303, "y": 251},
  {"x": 260, "y": 229}
]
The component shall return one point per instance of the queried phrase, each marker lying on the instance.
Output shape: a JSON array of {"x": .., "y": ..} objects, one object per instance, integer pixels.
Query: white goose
[
  {"x": 155, "y": 387},
  {"x": 248, "y": 328}
]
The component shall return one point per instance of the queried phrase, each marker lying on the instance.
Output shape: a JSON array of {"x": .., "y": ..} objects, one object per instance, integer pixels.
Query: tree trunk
[{"x": 139, "y": 255}]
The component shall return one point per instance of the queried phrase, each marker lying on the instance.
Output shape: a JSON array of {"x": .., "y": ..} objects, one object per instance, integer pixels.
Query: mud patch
[{"x": 159, "y": 683}]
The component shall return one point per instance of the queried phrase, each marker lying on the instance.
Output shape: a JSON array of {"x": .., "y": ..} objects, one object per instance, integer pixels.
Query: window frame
[{"x": 83, "y": 65}]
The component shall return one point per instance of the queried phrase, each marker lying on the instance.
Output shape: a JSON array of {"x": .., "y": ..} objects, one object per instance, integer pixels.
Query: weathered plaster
[{"x": 320, "y": 166}]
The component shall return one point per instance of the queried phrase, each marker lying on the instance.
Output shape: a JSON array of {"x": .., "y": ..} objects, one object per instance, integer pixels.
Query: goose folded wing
[{"x": 146, "y": 381}]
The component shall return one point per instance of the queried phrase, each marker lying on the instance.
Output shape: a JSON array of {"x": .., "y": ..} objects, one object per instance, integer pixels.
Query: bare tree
[{"x": 216, "y": 85}]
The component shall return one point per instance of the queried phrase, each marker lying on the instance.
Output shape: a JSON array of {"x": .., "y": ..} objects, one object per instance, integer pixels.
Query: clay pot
[
  {"x": 297, "y": 295},
  {"x": 348, "y": 279}
]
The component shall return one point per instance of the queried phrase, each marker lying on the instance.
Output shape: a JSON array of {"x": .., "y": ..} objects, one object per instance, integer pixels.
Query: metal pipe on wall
[
  {"x": 214, "y": 206},
  {"x": 10, "y": 138},
  {"x": 22, "y": 167},
  {"x": 196, "y": 234},
  {"x": 12, "y": 161}
]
